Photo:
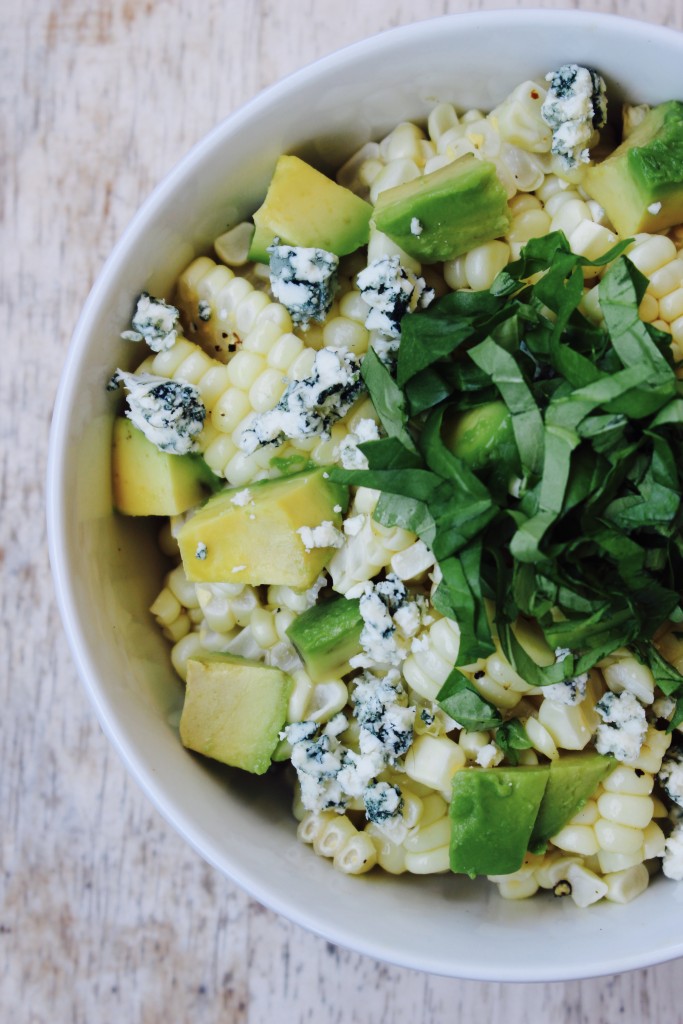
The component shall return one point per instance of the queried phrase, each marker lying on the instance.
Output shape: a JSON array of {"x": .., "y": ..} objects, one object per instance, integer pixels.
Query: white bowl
[{"x": 106, "y": 572}]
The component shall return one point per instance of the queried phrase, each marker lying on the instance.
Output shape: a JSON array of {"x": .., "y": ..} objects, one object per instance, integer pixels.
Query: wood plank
[{"x": 105, "y": 914}]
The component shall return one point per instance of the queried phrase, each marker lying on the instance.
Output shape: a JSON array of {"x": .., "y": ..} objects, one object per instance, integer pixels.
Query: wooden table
[{"x": 105, "y": 914}]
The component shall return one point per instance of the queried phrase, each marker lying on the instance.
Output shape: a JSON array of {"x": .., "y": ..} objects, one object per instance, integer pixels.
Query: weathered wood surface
[{"x": 105, "y": 914}]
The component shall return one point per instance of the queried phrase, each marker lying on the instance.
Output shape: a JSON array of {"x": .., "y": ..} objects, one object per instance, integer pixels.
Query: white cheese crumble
[
  {"x": 326, "y": 535},
  {"x": 241, "y": 498},
  {"x": 488, "y": 755},
  {"x": 309, "y": 406},
  {"x": 353, "y": 525},
  {"x": 238, "y": 568},
  {"x": 391, "y": 291},
  {"x": 672, "y": 861},
  {"x": 304, "y": 280},
  {"x": 311, "y": 595},
  {"x": 416, "y": 226},
  {"x": 169, "y": 413},
  {"x": 575, "y": 107},
  {"x": 623, "y": 726},
  {"x": 155, "y": 322},
  {"x": 664, "y": 707},
  {"x": 408, "y": 619},
  {"x": 654, "y": 208}
]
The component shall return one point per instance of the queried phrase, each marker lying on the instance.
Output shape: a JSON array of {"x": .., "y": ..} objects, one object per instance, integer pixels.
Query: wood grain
[{"x": 105, "y": 914}]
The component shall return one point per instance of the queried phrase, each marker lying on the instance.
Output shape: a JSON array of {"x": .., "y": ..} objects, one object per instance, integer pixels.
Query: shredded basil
[
  {"x": 461, "y": 701},
  {"x": 511, "y": 737},
  {"x": 587, "y": 537}
]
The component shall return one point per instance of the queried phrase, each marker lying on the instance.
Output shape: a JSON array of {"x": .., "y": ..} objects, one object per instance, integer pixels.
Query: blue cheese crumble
[
  {"x": 155, "y": 322},
  {"x": 379, "y": 602},
  {"x": 201, "y": 551},
  {"x": 391, "y": 291},
  {"x": 204, "y": 310},
  {"x": 304, "y": 280},
  {"x": 169, "y": 413},
  {"x": 670, "y": 775},
  {"x": 330, "y": 774},
  {"x": 318, "y": 761},
  {"x": 383, "y": 803},
  {"x": 348, "y": 452},
  {"x": 570, "y": 692},
  {"x": 575, "y": 107},
  {"x": 309, "y": 406},
  {"x": 386, "y": 723},
  {"x": 623, "y": 727}
]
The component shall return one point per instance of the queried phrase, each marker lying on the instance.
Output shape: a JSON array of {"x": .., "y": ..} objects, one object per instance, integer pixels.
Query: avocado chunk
[
  {"x": 234, "y": 710},
  {"x": 327, "y": 635},
  {"x": 149, "y": 482},
  {"x": 573, "y": 779},
  {"x": 249, "y": 535},
  {"x": 482, "y": 435},
  {"x": 305, "y": 208},
  {"x": 492, "y": 812},
  {"x": 446, "y": 213},
  {"x": 640, "y": 185}
]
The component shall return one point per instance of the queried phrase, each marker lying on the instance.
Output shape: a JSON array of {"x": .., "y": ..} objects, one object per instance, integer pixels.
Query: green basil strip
[
  {"x": 387, "y": 398},
  {"x": 512, "y": 737},
  {"x": 621, "y": 289},
  {"x": 527, "y": 422},
  {"x": 459, "y": 597},
  {"x": 460, "y": 700},
  {"x": 408, "y": 513}
]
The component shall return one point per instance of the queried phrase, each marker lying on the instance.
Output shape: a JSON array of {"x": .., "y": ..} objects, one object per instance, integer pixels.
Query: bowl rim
[{"x": 57, "y": 501}]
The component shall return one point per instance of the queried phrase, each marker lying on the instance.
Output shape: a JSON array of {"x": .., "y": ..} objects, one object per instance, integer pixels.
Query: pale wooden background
[{"x": 105, "y": 915}]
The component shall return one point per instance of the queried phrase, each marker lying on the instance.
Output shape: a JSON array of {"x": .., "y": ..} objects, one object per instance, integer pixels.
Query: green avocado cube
[
  {"x": 234, "y": 710},
  {"x": 149, "y": 482},
  {"x": 250, "y": 535},
  {"x": 573, "y": 780},
  {"x": 482, "y": 435},
  {"x": 446, "y": 213},
  {"x": 303, "y": 207},
  {"x": 640, "y": 184},
  {"x": 326, "y": 636},
  {"x": 492, "y": 812}
]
